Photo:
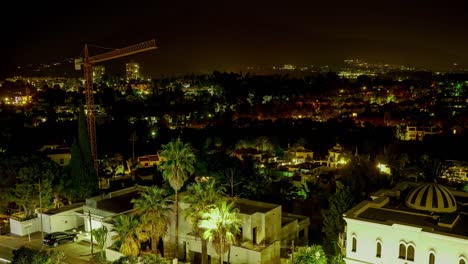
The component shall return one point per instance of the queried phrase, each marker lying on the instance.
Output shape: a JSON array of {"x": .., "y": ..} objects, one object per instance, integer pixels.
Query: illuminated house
[
  {"x": 411, "y": 223},
  {"x": 132, "y": 70},
  {"x": 100, "y": 210},
  {"x": 418, "y": 133},
  {"x": 265, "y": 230},
  {"x": 57, "y": 153},
  {"x": 337, "y": 156},
  {"x": 147, "y": 161},
  {"x": 251, "y": 153},
  {"x": 300, "y": 154}
]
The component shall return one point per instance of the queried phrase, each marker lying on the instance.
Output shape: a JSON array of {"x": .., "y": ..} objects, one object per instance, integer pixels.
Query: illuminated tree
[
  {"x": 309, "y": 255},
  {"x": 100, "y": 234},
  {"x": 153, "y": 208},
  {"x": 26, "y": 195},
  {"x": 221, "y": 224},
  {"x": 200, "y": 197},
  {"x": 178, "y": 164},
  {"x": 264, "y": 144},
  {"x": 34, "y": 177},
  {"x": 126, "y": 227}
]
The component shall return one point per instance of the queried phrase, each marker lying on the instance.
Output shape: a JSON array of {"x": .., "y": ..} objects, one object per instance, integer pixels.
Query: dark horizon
[{"x": 198, "y": 37}]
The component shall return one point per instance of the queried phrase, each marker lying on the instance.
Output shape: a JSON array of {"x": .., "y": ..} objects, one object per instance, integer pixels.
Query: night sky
[{"x": 195, "y": 36}]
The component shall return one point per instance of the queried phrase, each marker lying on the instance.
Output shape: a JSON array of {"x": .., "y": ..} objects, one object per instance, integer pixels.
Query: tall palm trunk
[
  {"x": 204, "y": 251},
  {"x": 221, "y": 255},
  {"x": 177, "y": 224},
  {"x": 154, "y": 243}
]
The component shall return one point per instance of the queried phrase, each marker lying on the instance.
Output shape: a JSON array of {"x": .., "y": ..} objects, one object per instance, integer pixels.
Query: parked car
[{"x": 56, "y": 238}]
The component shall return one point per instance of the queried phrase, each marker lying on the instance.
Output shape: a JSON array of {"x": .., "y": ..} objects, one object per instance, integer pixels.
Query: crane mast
[{"x": 87, "y": 63}]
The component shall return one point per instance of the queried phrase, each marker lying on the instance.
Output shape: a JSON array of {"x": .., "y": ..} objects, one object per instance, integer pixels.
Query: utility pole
[
  {"x": 91, "y": 232},
  {"x": 40, "y": 208},
  {"x": 133, "y": 138},
  {"x": 292, "y": 251}
]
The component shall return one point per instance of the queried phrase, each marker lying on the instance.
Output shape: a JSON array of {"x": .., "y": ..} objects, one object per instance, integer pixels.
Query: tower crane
[{"x": 87, "y": 63}]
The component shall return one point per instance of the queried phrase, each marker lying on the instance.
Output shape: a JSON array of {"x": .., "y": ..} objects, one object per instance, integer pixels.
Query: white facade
[
  {"x": 54, "y": 220},
  {"x": 263, "y": 230},
  {"x": 23, "y": 228},
  {"x": 446, "y": 249},
  {"x": 62, "y": 221},
  {"x": 382, "y": 231},
  {"x": 99, "y": 211}
]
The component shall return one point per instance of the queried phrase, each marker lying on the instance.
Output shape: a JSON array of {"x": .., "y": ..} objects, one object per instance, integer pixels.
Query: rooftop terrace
[{"x": 389, "y": 207}]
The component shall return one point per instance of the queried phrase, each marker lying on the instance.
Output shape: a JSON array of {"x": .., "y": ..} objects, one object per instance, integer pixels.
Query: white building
[
  {"x": 65, "y": 218},
  {"x": 100, "y": 210},
  {"x": 425, "y": 223},
  {"x": 266, "y": 235},
  {"x": 413, "y": 132},
  {"x": 62, "y": 219}
]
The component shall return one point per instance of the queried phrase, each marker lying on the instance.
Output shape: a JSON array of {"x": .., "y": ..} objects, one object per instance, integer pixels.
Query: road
[{"x": 75, "y": 252}]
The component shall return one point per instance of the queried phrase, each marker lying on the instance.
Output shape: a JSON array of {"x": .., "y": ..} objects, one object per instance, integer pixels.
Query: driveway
[{"x": 75, "y": 252}]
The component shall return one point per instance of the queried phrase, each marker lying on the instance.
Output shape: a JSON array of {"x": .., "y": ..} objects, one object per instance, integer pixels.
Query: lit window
[
  {"x": 431, "y": 258},
  {"x": 379, "y": 249},
  {"x": 354, "y": 244}
]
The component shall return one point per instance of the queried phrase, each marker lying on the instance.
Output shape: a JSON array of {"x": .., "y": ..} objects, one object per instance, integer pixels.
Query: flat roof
[
  {"x": 245, "y": 206},
  {"x": 388, "y": 207},
  {"x": 63, "y": 208},
  {"x": 119, "y": 203},
  {"x": 426, "y": 222},
  {"x": 250, "y": 207}
]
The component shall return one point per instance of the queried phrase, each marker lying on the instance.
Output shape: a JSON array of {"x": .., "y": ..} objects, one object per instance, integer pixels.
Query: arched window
[
  {"x": 354, "y": 244},
  {"x": 462, "y": 261},
  {"x": 410, "y": 253},
  {"x": 431, "y": 258},
  {"x": 402, "y": 254},
  {"x": 378, "y": 250}
]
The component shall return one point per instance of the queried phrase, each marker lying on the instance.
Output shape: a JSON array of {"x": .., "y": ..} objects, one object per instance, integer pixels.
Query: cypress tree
[{"x": 82, "y": 180}]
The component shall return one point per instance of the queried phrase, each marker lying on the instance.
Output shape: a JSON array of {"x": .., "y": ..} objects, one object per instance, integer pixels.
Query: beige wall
[
  {"x": 273, "y": 225},
  {"x": 266, "y": 250}
]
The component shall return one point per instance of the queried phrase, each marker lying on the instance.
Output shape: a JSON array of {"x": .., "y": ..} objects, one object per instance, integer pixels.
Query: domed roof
[
  {"x": 432, "y": 197},
  {"x": 336, "y": 149}
]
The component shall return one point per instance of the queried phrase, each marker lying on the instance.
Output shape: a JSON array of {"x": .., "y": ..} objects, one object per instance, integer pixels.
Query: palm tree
[
  {"x": 178, "y": 164},
  {"x": 200, "y": 197},
  {"x": 221, "y": 224},
  {"x": 126, "y": 227},
  {"x": 153, "y": 208},
  {"x": 431, "y": 167}
]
